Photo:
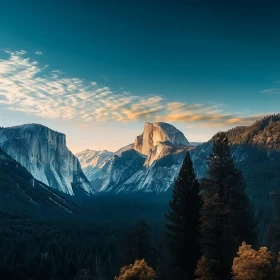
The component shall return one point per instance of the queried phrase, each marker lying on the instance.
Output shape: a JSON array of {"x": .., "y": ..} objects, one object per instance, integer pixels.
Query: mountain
[
  {"x": 256, "y": 151},
  {"x": 158, "y": 140},
  {"x": 151, "y": 164},
  {"x": 92, "y": 161},
  {"x": 93, "y": 158},
  {"x": 18, "y": 186},
  {"x": 263, "y": 136},
  {"x": 196, "y": 143},
  {"x": 43, "y": 152},
  {"x": 156, "y": 133},
  {"x": 263, "y": 133}
]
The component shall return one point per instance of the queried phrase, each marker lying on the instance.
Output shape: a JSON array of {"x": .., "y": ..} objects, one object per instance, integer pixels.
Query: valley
[{"x": 110, "y": 191}]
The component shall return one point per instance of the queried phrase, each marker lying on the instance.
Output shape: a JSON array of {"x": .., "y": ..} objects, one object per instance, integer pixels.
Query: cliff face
[
  {"x": 151, "y": 164},
  {"x": 155, "y": 133},
  {"x": 43, "y": 152},
  {"x": 18, "y": 186},
  {"x": 158, "y": 140}
]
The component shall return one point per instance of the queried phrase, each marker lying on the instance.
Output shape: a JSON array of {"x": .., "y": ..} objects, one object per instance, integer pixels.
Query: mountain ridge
[
  {"x": 264, "y": 133},
  {"x": 150, "y": 164}
]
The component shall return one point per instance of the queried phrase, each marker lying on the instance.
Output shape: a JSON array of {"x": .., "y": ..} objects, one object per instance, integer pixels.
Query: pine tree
[
  {"x": 242, "y": 213},
  {"x": 226, "y": 214},
  {"x": 275, "y": 227},
  {"x": 138, "y": 243},
  {"x": 206, "y": 269},
  {"x": 183, "y": 222}
]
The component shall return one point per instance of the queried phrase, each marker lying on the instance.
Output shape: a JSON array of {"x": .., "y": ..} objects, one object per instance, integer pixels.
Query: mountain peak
[{"x": 156, "y": 133}]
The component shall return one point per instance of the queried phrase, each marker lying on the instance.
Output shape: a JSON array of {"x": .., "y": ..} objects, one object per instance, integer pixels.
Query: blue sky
[{"x": 97, "y": 70}]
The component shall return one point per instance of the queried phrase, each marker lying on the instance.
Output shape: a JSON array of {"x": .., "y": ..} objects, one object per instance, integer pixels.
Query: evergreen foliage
[
  {"x": 138, "y": 241},
  {"x": 206, "y": 269},
  {"x": 274, "y": 231},
  {"x": 183, "y": 222},
  {"x": 226, "y": 212}
]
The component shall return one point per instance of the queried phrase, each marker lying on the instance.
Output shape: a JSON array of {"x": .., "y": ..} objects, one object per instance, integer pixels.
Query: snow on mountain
[
  {"x": 43, "y": 152},
  {"x": 92, "y": 161},
  {"x": 151, "y": 164},
  {"x": 93, "y": 158}
]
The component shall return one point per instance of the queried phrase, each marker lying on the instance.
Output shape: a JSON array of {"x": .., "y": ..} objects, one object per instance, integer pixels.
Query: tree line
[{"x": 210, "y": 234}]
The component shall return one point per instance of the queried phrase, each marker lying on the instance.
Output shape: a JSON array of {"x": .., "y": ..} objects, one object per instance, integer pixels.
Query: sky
[{"x": 98, "y": 70}]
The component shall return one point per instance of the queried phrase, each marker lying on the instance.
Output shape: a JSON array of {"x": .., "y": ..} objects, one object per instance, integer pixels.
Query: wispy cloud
[
  {"x": 271, "y": 91},
  {"x": 39, "y": 52},
  {"x": 210, "y": 116},
  {"x": 27, "y": 86}
]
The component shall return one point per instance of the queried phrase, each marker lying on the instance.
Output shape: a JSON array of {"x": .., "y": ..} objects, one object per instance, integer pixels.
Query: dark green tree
[
  {"x": 138, "y": 243},
  {"x": 274, "y": 231},
  {"x": 183, "y": 222},
  {"x": 226, "y": 216},
  {"x": 242, "y": 212}
]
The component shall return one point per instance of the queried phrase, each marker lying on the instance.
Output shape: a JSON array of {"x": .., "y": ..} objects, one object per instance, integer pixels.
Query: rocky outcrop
[
  {"x": 158, "y": 140},
  {"x": 156, "y": 133},
  {"x": 43, "y": 152},
  {"x": 151, "y": 164}
]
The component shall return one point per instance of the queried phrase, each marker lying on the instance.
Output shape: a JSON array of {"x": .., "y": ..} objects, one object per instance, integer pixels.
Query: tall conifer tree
[
  {"x": 183, "y": 222},
  {"x": 226, "y": 215}
]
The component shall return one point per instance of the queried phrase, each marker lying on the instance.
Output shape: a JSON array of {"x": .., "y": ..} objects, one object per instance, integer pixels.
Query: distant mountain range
[
  {"x": 151, "y": 164},
  {"x": 36, "y": 163}
]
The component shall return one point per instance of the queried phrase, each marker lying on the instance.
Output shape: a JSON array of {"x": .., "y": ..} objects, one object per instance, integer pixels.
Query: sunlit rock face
[
  {"x": 43, "y": 152},
  {"x": 155, "y": 133},
  {"x": 151, "y": 164},
  {"x": 158, "y": 140}
]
